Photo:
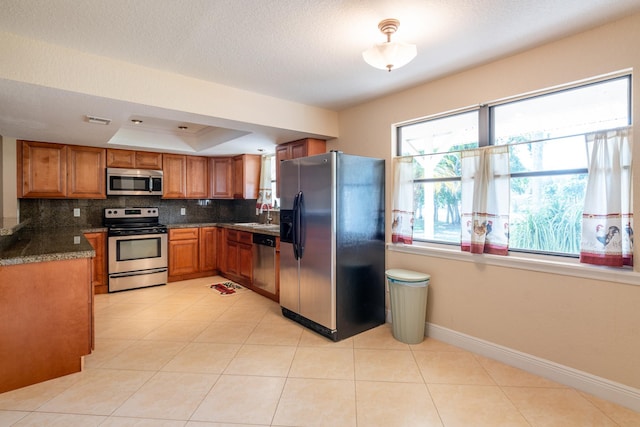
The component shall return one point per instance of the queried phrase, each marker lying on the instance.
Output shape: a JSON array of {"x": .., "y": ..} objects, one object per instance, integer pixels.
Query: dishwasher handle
[{"x": 264, "y": 240}]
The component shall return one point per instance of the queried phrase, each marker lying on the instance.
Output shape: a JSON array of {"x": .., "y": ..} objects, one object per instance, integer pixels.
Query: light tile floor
[{"x": 183, "y": 355}]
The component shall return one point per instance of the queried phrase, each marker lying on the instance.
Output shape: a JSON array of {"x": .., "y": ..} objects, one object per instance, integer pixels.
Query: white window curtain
[
  {"x": 265, "y": 194},
  {"x": 485, "y": 200},
  {"x": 607, "y": 218},
  {"x": 402, "y": 209}
]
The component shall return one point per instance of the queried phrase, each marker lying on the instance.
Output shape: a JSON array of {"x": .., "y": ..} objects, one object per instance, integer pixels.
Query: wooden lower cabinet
[
  {"x": 208, "y": 243},
  {"x": 221, "y": 242},
  {"x": 46, "y": 320},
  {"x": 238, "y": 258},
  {"x": 192, "y": 253},
  {"x": 99, "y": 278}
]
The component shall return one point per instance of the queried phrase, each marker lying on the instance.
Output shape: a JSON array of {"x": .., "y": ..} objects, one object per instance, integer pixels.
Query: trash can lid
[{"x": 407, "y": 275}]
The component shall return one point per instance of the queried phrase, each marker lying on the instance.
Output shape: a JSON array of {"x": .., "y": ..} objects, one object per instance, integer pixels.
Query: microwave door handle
[{"x": 150, "y": 184}]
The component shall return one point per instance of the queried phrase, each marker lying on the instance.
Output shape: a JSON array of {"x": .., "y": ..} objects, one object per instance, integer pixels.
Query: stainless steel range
[{"x": 138, "y": 248}]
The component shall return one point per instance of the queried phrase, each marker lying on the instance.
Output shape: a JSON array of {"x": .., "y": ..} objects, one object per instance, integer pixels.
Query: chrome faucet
[{"x": 268, "y": 219}]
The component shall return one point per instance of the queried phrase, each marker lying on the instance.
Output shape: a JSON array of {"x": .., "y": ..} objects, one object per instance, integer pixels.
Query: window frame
[{"x": 486, "y": 127}]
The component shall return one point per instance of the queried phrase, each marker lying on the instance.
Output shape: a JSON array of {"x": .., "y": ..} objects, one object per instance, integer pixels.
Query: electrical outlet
[
  {"x": 183, "y": 211},
  {"x": 76, "y": 240},
  {"x": 76, "y": 211}
]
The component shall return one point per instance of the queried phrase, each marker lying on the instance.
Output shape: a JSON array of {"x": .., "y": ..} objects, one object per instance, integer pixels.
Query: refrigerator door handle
[
  {"x": 302, "y": 225},
  {"x": 295, "y": 227},
  {"x": 298, "y": 226}
]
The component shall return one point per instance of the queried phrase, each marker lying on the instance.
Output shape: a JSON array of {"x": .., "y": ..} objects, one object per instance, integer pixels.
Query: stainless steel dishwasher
[{"x": 264, "y": 262}]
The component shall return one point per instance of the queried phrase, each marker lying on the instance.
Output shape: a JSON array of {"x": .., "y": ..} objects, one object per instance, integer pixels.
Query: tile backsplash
[{"x": 54, "y": 212}]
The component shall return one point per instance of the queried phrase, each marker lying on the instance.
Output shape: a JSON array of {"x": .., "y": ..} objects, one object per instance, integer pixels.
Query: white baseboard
[{"x": 597, "y": 386}]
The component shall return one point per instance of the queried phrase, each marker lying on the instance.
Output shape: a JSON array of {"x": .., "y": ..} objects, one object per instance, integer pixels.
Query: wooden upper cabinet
[
  {"x": 221, "y": 177},
  {"x": 47, "y": 170},
  {"x": 148, "y": 160},
  {"x": 175, "y": 174},
  {"x": 121, "y": 158},
  {"x": 296, "y": 149},
  {"x": 42, "y": 169},
  {"x": 185, "y": 177},
  {"x": 197, "y": 177},
  {"x": 133, "y": 159},
  {"x": 86, "y": 172},
  {"x": 246, "y": 176}
]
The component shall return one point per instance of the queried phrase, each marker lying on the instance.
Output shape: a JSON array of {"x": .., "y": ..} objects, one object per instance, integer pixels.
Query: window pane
[
  {"x": 437, "y": 211},
  {"x": 584, "y": 109},
  {"x": 440, "y": 135},
  {"x": 546, "y": 213},
  {"x": 437, "y": 166},
  {"x": 557, "y": 154},
  {"x": 274, "y": 184}
]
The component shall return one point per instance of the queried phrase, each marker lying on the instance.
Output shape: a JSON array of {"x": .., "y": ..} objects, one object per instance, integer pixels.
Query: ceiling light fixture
[
  {"x": 388, "y": 55},
  {"x": 98, "y": 120},
  {"x": 136, "y": 121}
]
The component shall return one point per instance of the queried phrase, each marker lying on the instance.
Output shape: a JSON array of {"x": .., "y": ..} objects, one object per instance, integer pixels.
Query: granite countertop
[
  {"x": 253, "y": 227},
  {"x": 40, "y": 245},
  {"x": 20, "y": 245}
]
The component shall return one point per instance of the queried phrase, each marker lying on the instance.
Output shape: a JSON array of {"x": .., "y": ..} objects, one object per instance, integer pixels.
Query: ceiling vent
[{"x": 98, "y": 120}]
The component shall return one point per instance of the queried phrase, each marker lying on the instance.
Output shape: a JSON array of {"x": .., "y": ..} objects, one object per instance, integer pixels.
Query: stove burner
[{"x": 132, "y": 221}]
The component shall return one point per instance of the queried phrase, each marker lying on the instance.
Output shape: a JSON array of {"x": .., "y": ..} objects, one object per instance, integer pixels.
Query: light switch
[
  {"x": 76, "y": 211},
  {"x": 76, "y": 240},
  {"x": 183, "y": 211}
]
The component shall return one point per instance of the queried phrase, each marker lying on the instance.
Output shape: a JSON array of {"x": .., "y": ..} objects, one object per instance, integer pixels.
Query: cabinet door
[
  {"x": 283, "y": 152},
  {"x": 221, "y": 177},
  {"x": 147, "y": 160},
  {"x": 208, "y": 238},
  {"x": 298, "y": 149},
  {"x": 221, "y": 252},
  {"x": 42, "y": 169},
  {"x": 246, "y": 169},
  {"x": 245, "y": 261},
  {"x": 231, "y": 257},
  {"x": 197, "y": 177},
  {"x": 183, "y": 256},
  {"x": 86, "y": 172},
  {"x": 183, "y": 251},
  {"x": 121, "y": 158},
  {"x": 99, "y": 262},
  {"x": 174, "y": 167}
]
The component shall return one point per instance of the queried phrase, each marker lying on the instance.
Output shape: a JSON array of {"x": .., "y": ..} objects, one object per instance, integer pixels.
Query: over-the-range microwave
[{"x": 134, "y": 182}]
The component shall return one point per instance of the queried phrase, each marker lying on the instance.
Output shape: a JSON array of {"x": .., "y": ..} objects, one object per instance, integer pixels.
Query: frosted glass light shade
[{"x": 386, "y": 56}]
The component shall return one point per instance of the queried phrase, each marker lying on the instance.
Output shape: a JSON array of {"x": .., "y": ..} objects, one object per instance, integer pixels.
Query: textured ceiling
[{"x": 307, "y": 51}]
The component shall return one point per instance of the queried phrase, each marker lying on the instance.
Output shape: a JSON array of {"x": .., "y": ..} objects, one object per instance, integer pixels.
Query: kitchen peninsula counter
[
  {"x": 46, "y": 309},
  {"x": 29, "y": 245}
]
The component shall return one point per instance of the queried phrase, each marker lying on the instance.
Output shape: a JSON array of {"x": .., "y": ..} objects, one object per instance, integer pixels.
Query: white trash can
[{"x": 408, "y": 298}]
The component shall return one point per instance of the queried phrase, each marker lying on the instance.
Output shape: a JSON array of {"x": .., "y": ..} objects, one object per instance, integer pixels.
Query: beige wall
[
  {"x": 589, "y": 325},
  {"x": 8, "y": 178}
]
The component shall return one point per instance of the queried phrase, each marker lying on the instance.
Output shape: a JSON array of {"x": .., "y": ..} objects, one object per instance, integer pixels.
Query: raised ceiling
[{"x": 306, "y": 52}]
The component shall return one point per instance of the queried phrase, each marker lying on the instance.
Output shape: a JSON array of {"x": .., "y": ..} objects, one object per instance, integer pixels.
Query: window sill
[{"x": 540, "y": 263}]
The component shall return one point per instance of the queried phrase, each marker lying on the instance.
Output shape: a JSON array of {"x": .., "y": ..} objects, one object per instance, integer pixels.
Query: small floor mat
[{"x": 226, "y": 288}]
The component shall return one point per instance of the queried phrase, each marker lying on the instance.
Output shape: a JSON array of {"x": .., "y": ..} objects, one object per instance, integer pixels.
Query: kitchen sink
[{"x": 260, "y": 226}]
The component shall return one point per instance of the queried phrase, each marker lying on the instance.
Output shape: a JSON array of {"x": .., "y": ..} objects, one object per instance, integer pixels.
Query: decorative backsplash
[{"x": 45, "y": 213}]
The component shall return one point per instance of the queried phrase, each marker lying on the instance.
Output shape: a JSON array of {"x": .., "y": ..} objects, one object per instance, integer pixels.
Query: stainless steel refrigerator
[{"x": 332, "y": 243}]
